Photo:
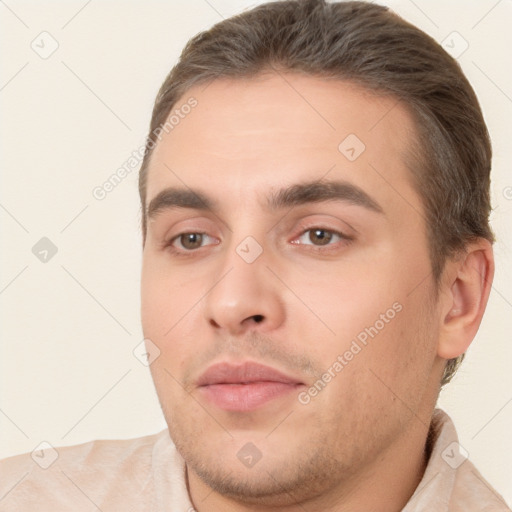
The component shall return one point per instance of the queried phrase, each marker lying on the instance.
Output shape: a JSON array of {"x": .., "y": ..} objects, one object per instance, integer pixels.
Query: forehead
[{"x": 246, "y": 136}]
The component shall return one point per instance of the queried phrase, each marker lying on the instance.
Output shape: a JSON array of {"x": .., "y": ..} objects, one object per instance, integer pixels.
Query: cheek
[
  {"x": 166, "y": 294},
  {"x": 378, "y": 383},
  {"x": 169, "y": 314},
  {"x": 383, "y": 340},
  {"x": 395, "y": 367},
  {"x": 345, "y": 304},
  {"x": 380, "y": 295}
]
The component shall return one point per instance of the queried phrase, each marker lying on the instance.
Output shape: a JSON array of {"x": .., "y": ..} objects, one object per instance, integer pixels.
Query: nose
[{"x": 246, "y": 296}]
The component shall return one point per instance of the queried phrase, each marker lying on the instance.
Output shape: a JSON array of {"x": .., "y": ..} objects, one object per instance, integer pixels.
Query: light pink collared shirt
[{"x": 148, "y": 474}]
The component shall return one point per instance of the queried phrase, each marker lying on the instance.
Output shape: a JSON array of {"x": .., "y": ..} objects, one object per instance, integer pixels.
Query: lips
[
  {"x": 245, "y": 386},
  {"x": 227, "y": 373}
]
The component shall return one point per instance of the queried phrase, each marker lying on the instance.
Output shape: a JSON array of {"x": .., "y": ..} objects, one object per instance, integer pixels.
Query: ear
[{"x": 466, "y": 286}]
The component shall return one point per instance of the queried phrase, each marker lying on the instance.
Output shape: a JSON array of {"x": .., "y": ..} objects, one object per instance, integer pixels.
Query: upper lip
[{"x": 249, "y": 371}]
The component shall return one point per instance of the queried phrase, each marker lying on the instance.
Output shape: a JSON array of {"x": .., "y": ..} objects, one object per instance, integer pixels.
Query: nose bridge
[{"x": 243, "y": 270}]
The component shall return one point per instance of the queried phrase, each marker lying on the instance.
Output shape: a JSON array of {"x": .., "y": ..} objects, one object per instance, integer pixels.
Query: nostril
[{"x": 258, "y": 318}]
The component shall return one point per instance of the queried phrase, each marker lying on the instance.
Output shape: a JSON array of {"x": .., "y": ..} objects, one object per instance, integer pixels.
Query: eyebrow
[
  {"x": 319, "y": 191},
  {"x": 294, "y": 195}
]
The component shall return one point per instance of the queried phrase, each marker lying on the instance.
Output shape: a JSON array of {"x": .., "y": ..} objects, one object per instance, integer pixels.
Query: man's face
[{"x": 346, "y": 318}]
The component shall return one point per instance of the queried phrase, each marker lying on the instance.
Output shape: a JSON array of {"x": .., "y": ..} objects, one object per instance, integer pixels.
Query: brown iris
[
  {"x": 321, "y": 235},
  {"x": 191, "y": 240}
]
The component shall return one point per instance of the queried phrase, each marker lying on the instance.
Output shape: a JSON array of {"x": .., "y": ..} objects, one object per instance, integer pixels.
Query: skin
[{"x": 365, "y": 432}]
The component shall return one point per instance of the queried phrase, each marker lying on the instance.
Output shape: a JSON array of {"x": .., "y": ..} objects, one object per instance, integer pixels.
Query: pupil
[{"x": 324, "y": 239}]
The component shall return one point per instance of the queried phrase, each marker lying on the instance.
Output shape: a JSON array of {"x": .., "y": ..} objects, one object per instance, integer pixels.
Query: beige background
[{"x": 68, "y": 121}]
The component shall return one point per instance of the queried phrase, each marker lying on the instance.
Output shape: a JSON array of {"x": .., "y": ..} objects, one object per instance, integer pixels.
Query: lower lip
[{"x": 246, "y": 397}]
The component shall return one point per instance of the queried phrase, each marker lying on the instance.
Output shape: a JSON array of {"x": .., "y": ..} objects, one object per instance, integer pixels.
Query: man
[{"x": 317, "y": 260}]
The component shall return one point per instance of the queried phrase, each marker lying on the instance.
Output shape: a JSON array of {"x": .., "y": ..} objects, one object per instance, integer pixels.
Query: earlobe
[{"x": 466, "y": 293}]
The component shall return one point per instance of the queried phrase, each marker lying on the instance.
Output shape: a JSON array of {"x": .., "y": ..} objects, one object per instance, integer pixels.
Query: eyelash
[{"x": 316, "y": 248}]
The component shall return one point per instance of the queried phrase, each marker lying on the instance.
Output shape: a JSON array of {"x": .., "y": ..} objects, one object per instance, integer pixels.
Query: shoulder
[
  {"x": 451, "y": 481},
  {"x": 69, "y": 478},
  {"x": 471, "y": 491}
]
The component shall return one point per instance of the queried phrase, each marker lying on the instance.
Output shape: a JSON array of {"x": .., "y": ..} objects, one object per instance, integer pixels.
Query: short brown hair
[{"x": 373, "y": 47}]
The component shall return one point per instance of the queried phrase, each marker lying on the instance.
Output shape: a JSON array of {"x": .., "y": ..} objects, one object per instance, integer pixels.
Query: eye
[
  {"x": 187, "y": 241},
  {"x": 319, "y": 237}
]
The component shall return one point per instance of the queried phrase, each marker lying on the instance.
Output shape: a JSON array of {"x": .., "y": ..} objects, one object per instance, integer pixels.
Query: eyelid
[
  {"x": 320, "y": 222},
  {"x": 193, "y": 225}
]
